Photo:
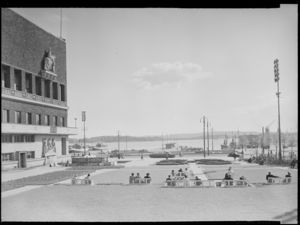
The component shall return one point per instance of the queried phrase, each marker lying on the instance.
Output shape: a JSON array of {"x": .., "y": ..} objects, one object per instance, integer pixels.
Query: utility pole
[
  {"x": 276, "y": 79},
  {"x": 162, "y": 142},
  {"x": 263, "y": 141},
  {"x": 207, "y": 138},
  {"x": 84, "y": 119},
  {"x": 119, "y": 142},
  {"x": 203, "y": 135},
  {"x": 212, "y": 139}
]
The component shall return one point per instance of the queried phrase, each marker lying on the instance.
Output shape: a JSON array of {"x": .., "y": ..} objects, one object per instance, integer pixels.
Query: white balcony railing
[{"x": 36, "y": 129}]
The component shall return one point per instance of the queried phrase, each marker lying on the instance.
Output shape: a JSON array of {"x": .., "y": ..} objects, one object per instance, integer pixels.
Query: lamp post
[
  {"x": 84, "y": 119},
  {"x": 207, "y": 137},
  {"x": 203, "y": 135},
  {"x": 276, "y": 79}
]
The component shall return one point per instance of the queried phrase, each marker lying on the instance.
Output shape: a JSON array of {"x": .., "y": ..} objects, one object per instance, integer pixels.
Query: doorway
[{"x": 22, "y": 160}]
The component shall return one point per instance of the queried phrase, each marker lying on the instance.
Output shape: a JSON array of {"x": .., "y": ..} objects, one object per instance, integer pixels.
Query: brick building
[{"x": 34, "y": 110}]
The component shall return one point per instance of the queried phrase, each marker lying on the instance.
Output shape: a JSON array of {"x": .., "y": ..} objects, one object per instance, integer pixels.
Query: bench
[
  {"x": 274, "y": 180},
  {"x": 287, "y": 180},
  {"x": 141, "y": 181},
  {"x": 81, "y": 181}
]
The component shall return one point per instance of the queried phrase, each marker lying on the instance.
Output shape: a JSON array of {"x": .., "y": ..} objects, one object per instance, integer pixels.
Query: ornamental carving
[{"x": 48, "y": 62}]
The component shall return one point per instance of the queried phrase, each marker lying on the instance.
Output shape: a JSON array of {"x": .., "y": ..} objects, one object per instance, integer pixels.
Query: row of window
[
  {"x": 12, "y": 156},
  {"x": 29, "y": 118},
  {"x": 14, "y": 138},
  {"x": 17, "y": 85}
]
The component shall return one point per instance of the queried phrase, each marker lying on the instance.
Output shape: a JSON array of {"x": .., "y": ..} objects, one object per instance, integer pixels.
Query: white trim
[{"x": 32, "y": 101}]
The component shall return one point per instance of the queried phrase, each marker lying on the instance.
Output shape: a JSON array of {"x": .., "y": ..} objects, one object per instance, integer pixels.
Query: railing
[{"x": 32, "y": 97}]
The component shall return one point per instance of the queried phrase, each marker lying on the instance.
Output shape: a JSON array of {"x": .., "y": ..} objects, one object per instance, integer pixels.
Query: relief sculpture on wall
[{"x": 48, "y": 62}]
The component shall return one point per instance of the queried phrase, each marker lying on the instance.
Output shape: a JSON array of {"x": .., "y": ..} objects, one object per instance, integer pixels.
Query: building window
[
  {"x": 18, "y": 138},
  {"x": 38, "y": 86},
  {"x": 6, "y": 76},
  {"x": 47, "y": 120},
  {"x": 18, "y": 118},
  {"x": 54, "y": 120},
  {"x": 55, "y": 90},
  {"x": 47, "y": 88},
  {"x": 29, "y": 138},
  {"x": 28, "y": 118},
  {"x": 18, "y": 80},
  {"x": 6, "y": 138},
  {"x": 62, "y": 91},
  {"x": 7, "y": 156},
  {"x": 38, "y": 119},
  {"x": 5, "y": 116},
  {"x": 30, "y": 155},
  {"x": 62, "y": 121},
  {"x": 28, "y": 78}
]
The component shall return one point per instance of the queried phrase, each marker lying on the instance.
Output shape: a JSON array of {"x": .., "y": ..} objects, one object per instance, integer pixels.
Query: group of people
[
  {"x": 229, "y": 175},
  {"x": 86, "y": 180},
  {"x": 180, "y": 175},
  {"x": 138, "y": 179},
  {"x": 270, "y": 175}
]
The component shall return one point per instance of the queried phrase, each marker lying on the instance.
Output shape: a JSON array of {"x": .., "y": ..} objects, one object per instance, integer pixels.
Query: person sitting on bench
[
  {"x": 131, "y": 179},
  {"x": 198, "y": 181},
  {"x": 169, "y": 180},
  {"x": 270, "y": 175},
  {"x": 137, "y": 178},
  {"x": 242, "y": 178},
  {"x": 88, "y": 179},
  {"x": 147, "y": 178},
  {"x": 227, "y": 176},
  {"x": 288, "y": 175}
]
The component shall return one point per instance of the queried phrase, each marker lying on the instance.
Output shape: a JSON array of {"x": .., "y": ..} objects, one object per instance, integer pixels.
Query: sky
[{"x": 153, "y": 71}]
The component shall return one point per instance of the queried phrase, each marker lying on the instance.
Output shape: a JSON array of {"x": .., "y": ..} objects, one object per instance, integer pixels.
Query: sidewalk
[{"x": 19, "y": 173}]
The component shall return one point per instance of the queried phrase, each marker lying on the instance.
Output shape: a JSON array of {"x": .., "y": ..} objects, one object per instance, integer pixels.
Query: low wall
[
  {"x": 80, "y": 161},
  {"x": 9, "y": 165}
]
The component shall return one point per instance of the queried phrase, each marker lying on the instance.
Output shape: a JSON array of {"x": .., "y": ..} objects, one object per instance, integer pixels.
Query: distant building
[{"x": 34, "y": 110}]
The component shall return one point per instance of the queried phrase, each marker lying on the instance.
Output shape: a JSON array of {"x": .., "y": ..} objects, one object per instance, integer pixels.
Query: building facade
[{"x": 34, "y": 109}]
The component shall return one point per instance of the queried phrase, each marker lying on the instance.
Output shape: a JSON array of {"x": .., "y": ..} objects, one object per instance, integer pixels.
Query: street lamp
[
  {"x": 84, "y": 119},
  {"x": 203, "y": 135},
  {"x": 276, "y": 79}
]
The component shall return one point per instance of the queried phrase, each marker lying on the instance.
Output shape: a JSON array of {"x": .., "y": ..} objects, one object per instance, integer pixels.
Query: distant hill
[{"x": 171, "y": 137}]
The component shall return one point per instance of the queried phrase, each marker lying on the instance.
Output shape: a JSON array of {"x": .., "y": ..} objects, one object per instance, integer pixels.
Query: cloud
[{"x": 168, "y": 74}]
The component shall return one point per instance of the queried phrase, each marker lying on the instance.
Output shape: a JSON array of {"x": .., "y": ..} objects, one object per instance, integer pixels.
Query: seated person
[
  {"x": 88, "y": 179},
  {"x": 227, "y": 176},
  {"x": 288, "y": 175},
  {"x": 147, "y": 178},
  {"x": 198, "y": 181},
  {"x": 180, "y": 173},
  {"x": 169, "y": 180},
  {"x": 173, "y": 173},
  {"x": 242, "y": 178},
  {"x": 288, "y": 178},
  {"x": 270, "y": 175},
  {"x": 131, "y": 179},
  {"x": 137, "y": 178}
]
